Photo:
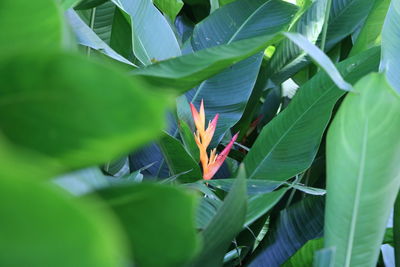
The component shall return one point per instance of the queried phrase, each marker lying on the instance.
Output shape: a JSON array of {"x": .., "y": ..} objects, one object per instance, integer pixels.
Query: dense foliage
[{"x": 105, "y": 144}]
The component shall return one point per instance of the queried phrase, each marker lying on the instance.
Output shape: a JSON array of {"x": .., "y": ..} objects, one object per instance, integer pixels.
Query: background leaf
[
  {"x": 85, "y": 36},
  {"x": 370, "y": 34},
  {"x": 288, "y": 58},
  {"x": 293, "y": 227},
  {"x": 170, "y": 8}
]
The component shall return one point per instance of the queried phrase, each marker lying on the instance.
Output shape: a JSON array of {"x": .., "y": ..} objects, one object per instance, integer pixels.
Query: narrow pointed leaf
[
  {"x": 224, "y": 226},
  {"x": 320, "y": 58},
  {"x": 179, "y": 160}
]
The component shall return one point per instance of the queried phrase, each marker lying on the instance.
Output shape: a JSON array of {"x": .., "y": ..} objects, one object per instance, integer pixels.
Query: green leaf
[
  {"x": 396, "y": 230},
  {"x": 66, "y": 118},
  {"x": 147, "y": 36},
  {"x": 236, "y": 21},
  {"x": 121, "y": 36},
  {"x": 86, "y": 4},
  {"x": 103, "y": 20},
  {"x": 158, "y": 220},
  {"x": 187, "y": 71},
  {"x": 18, "y": 162},
  {"x": 391, "y": 46},
  {"x": 67, "y": 4},
  {"x": 304, "y": 256},
  {"x": 206, "y": 211},
  {"x": 344, "y": 18},
  {"x": 224, "y": 226},
  {"x": 358, "y": 203},
  {"x": 170, "y": 8},
  {"x": 288, "y": 144},
  {"x": 117, "y": 167},
  {"x": 287, "y": 233},
  {"x": 29, "y": 25},
  {"x": 320, "y": 58},
  {"x": 43, "y": 226},
  {"x": 188, "y": 140},
  {"x": 370, "y": 34},
  {"x": 288, "y": 58},
  {"x": 324, "y": 257},
  {"x": 260, "y": 204},
  {"x": 179, "y": 160},
  {"x": 85, "y": 36},
  {"x": 254, "y": 187}
]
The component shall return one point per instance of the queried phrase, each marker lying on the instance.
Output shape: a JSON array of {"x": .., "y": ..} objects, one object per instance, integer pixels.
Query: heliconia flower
[{"x": 203, "y": 139}]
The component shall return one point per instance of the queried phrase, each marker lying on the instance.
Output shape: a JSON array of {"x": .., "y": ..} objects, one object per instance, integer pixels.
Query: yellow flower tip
[
  {"x": 197, "y": 119},
  {"x": 202, "y": 114}
]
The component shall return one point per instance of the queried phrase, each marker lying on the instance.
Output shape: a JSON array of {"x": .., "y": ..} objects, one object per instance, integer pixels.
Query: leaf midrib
[
  {"x": 356, "y": 205},
  {"x": 245, "y": 22},
  {"x": 288, "y": 130}
]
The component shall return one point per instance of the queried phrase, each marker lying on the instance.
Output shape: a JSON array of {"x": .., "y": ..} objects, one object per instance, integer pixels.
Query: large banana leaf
[
  {"x": 103, "y": 20},
  {"x": 158, "y": 220},
  {"x": 29, "y": 25},
  {"x": 288, "y": 58},
  {"x": 301, "y": 222},
  {"x": 344, "y": 18},
  {"x": 153, "y": 38},
  {"x": 363, "y": 155},
  {"x": 288, "y": 144},
  {"x": 391, "y": 46},
  {"x": 236, "y": 21},
  {"x": 77, "y": 132},
  {"x": 370, "y": 34},
  {"x": 41, "y": 225},
  {"x": 187, "y": 71}
]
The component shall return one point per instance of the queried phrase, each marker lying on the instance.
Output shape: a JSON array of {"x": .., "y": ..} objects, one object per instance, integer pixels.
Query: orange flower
[{"x": 203, "y": 139}]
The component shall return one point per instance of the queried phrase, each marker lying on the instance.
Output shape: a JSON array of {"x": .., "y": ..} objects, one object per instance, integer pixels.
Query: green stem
[
  {"x": 91, "y": 25},
  {"x": 325, "y": 26}
]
